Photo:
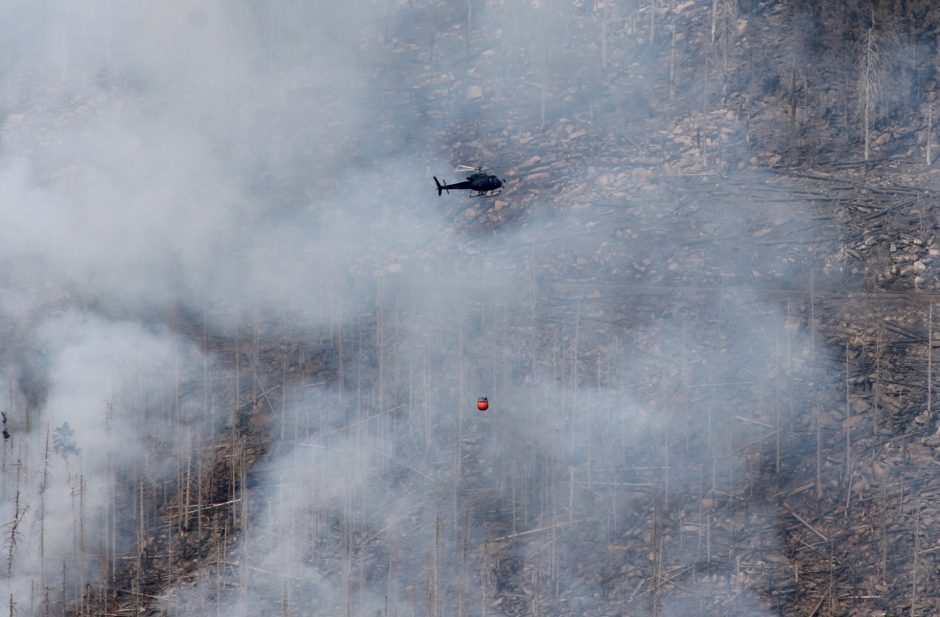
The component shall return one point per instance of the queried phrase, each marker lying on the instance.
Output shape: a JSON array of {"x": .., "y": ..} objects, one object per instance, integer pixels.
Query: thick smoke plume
[{"x": 189, "y": 189}]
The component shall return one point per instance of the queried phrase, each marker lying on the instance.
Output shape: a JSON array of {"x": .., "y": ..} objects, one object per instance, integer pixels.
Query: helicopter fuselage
[
  {"x": 484, "y": 183},
  {"x": 481, "y": 183}
]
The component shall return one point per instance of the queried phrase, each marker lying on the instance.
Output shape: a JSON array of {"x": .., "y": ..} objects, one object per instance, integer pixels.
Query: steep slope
[{"x": 702, "y": 312}]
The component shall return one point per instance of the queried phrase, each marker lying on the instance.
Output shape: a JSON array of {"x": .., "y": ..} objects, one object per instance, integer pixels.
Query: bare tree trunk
[
  {"x": 818, "y": 454},
  {"x": 465, "y": 549},
  {"x": 14, "y": 532},
  {"x": 930, "y": 361},
  {"x": 812, "y": 312},
  {"x": 714, "y": 20},
  {"x": 652, "y": 25},
  {"x": 848, "y": 426},
  {"x": 42, "y": 512},
  {"x": 654, "y": 556},
  {"x": 776, "y": 387},
  {"x": 543, "y": 98},
  {"x": 792, "y": 88},
  {"x": 867, "y": 123},
  {"x": 929, "y": 134},
  {"x": 469, "y": 23},
  {"x": 672, "y": 66},
  {"x": 916, "y": 557},
  {"x": 869, "y": 91}
]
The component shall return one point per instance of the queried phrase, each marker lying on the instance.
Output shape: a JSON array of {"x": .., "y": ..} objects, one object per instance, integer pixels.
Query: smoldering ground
[
  {"x": 111, "y": 392},
  {"x": 233, "y": 162},
  {"x": 410, "y": 499}
]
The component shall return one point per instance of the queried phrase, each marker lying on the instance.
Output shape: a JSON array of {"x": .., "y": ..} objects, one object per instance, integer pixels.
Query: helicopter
[{"x": 479, "y": 183}]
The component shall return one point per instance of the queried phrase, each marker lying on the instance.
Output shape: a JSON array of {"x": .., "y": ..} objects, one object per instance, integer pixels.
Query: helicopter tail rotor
[{"x": 440, "y": 187}]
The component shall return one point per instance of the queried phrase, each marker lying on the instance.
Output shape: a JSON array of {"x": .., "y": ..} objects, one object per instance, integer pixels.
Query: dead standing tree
[{"x": 868, "y": 89}]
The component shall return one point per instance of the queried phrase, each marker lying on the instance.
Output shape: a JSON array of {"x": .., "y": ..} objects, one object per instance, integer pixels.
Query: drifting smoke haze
[{"x": 186, "y": 183}]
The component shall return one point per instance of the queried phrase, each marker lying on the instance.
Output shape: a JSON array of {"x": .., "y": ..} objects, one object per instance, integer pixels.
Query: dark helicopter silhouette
[{"x": 479, "y": 183}]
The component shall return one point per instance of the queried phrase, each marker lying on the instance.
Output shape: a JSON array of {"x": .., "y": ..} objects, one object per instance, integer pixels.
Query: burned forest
[{"x": 243, "y": 335}]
